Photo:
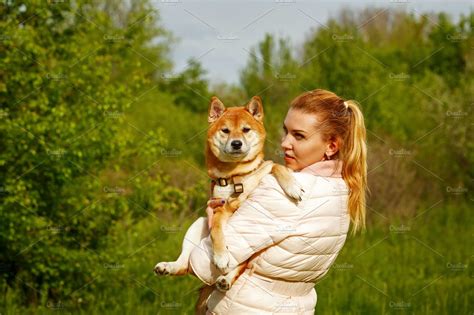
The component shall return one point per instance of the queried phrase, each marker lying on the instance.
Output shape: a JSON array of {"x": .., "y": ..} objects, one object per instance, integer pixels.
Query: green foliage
[
  {"x": 102, "y": 158},
  {"x": 189, "y": 88},
  {"x": 271, "y": 72},
  {"x": 64, "y": 98}
]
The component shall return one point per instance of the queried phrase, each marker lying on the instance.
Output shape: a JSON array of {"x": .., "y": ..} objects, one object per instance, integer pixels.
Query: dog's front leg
[
  {"x": 195, "y": 233},
  {"x": 221, "y": 216}
]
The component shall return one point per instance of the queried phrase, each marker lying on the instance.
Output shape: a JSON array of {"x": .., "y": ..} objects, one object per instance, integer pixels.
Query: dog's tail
[{"x": 204, "y": 293}]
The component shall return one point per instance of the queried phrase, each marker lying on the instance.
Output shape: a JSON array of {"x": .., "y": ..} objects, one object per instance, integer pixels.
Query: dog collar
[{"x": 235, "y": 180}]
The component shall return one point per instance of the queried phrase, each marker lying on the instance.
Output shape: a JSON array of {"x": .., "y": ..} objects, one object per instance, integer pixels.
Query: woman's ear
[{"x": 332, "y": 147}]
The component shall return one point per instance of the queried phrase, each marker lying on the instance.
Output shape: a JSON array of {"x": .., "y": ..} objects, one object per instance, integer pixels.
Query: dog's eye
[
  {"x": 225, "y": 130},
  {"x": 245, "y": 129}
]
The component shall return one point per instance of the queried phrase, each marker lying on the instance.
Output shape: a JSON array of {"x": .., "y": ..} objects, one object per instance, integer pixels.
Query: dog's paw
[
  {"x": 221, "y": 260},
  {"x": 222, "y": 284},
  {"x": 294, "y": 190},
  {"x": 163, "y": 269}
]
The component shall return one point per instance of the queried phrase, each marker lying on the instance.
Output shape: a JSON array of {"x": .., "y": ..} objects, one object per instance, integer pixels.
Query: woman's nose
[{"x": 285, "y": 143}]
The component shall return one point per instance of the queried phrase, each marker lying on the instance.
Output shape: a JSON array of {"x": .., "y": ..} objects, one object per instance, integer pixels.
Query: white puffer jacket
[{"x": 299, "y": 242}]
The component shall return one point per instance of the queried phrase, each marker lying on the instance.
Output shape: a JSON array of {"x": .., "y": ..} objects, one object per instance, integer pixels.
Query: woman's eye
[
  {"x": 245, "y": 129},
  {"x": 225, "y": 130},
  {"x": 298, "y": 136}
]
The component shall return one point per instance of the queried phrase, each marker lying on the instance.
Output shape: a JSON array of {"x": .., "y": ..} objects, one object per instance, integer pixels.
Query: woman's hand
[{"x": 211, "y": 205}]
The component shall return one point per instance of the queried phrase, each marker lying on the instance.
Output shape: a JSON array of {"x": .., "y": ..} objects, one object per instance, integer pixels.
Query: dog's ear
[
  {"x": 255, "y": 108},
  {"x": 216, "y": 109}
]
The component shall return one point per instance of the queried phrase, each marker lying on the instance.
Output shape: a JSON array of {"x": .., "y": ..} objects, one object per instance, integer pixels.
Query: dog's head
[{"x": 236, "y": 133}]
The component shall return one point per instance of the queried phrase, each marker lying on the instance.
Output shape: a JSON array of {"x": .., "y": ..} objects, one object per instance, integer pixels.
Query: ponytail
[{"x": 354, "y": 172}]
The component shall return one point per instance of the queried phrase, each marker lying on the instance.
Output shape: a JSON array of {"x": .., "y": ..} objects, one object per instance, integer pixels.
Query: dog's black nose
[{"x": 236, "y": 144}]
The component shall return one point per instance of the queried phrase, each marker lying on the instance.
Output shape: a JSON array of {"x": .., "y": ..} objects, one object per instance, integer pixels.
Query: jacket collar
[{"x": 328, "y": 168}]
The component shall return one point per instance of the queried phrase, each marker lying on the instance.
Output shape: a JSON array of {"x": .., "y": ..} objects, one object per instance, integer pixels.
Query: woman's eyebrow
[{"x": 295, "y": 130}]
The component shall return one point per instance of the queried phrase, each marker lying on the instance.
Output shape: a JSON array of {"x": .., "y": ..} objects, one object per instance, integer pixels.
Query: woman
[{"x": 292, "y": 246}]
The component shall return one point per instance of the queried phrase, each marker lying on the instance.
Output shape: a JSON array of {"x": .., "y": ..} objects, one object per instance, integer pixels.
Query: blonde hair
[{"x": 342, "y": 121}]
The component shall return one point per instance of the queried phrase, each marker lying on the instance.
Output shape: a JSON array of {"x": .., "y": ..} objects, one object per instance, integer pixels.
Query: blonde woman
[{"x": 292, "y": 246}]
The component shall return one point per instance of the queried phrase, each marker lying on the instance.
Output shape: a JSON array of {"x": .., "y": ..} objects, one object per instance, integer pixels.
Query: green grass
[{"x": 419, "y": 266}]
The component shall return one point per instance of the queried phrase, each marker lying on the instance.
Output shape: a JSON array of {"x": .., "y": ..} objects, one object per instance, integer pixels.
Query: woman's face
[{"x": 302, "y": 143}]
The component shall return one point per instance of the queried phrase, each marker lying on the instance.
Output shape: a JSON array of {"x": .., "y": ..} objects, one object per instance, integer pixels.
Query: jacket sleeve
[{"x": 267, "y": 217}]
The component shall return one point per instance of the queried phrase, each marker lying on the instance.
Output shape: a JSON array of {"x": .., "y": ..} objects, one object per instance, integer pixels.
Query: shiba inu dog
[{"x": 234, "y": 158}]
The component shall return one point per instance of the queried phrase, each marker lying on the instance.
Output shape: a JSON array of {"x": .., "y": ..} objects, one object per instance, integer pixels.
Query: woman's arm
[{"x": 267, "y": 217}]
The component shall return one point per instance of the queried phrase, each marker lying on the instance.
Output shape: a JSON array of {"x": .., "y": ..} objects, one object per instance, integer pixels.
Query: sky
[{"x": 221, "y": 33}]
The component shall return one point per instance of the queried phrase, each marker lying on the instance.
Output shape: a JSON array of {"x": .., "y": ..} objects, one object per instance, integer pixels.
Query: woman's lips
[{"x": 288, "y": 157}]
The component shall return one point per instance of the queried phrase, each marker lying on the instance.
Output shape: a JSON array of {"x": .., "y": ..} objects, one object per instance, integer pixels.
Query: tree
[
  {"x": 190, "y": 87},
  {"x": 271, "y": 72}
]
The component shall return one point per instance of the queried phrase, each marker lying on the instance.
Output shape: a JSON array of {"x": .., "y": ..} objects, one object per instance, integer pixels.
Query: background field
[{"x": 103, "y": 169}]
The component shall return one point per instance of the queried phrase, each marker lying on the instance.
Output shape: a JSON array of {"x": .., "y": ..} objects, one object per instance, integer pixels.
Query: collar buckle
[
  {"x": 222, "y": 182},
  {"x": 238, "y": 188}
]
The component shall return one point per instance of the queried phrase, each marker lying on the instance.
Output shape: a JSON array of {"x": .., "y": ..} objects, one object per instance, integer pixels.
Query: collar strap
[{"x": 236, "y": 180}]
